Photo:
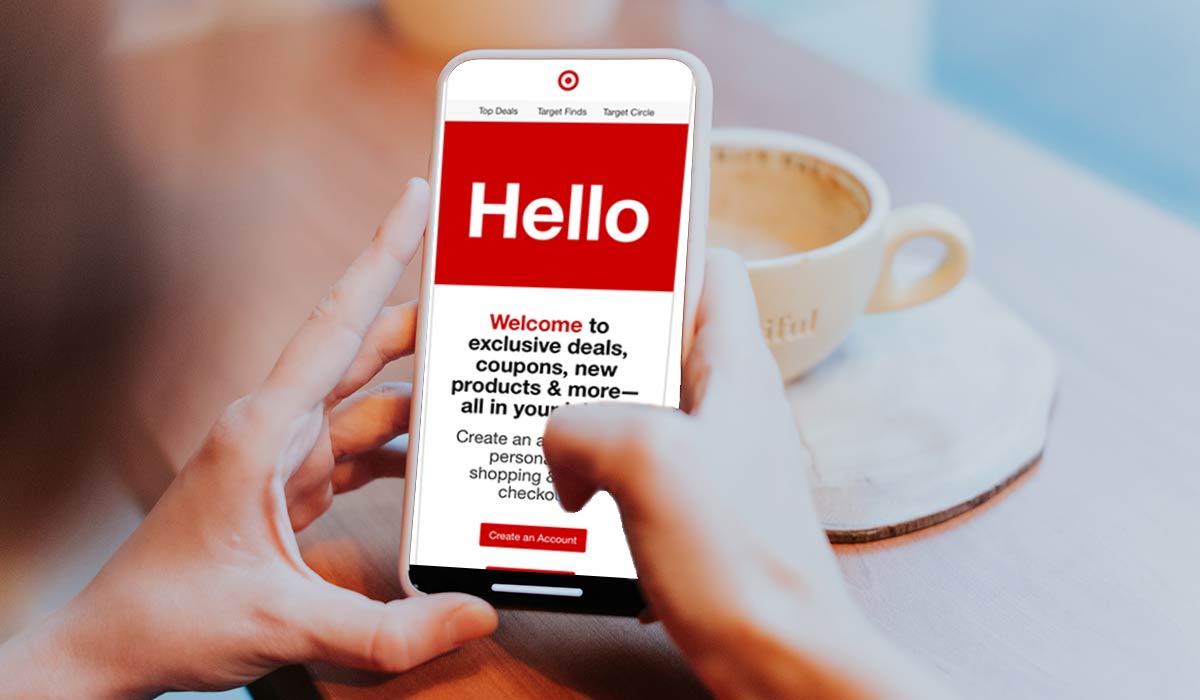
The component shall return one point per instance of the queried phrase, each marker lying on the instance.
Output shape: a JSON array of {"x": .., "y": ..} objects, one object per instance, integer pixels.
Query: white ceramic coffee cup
[{"x": 809, "y": 300}]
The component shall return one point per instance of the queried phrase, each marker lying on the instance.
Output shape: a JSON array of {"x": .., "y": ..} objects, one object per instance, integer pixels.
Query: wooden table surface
[{"x": 270, "y": 154}]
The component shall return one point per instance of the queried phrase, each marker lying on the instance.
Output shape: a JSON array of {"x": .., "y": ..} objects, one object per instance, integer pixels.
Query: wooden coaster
[{"x": 924, "y": 414}]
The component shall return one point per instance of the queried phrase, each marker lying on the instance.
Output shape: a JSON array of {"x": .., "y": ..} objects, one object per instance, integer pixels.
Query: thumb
[{"x": 349, "y": 629}]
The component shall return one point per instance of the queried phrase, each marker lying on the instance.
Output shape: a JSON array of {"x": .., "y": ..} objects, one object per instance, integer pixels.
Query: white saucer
[{"x": 924, "y": 414}]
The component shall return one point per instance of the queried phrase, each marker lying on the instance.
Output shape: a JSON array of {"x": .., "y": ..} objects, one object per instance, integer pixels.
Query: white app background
[{"x": 452, "y": 506}]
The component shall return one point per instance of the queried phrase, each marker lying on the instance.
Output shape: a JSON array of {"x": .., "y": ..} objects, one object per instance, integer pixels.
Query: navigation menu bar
[{"x": 566, "y": 111}]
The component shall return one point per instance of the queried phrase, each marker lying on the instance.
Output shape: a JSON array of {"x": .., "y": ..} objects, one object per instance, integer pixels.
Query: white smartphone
[{"x": 563, "y": 260}]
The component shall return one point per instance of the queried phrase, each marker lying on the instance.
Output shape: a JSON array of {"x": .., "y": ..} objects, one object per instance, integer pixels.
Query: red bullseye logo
[{"x": 568, "y": 80}]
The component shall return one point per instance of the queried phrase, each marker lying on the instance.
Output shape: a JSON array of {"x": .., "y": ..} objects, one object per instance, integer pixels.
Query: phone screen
[{"x": 556, "y": 274}]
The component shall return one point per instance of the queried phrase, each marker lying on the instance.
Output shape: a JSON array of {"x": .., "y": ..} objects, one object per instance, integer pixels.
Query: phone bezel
[{"x": 601, "y": 595}]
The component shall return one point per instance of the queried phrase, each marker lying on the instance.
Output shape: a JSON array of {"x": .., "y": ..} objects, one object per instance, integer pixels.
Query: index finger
[{"x": 323, "y": 348}]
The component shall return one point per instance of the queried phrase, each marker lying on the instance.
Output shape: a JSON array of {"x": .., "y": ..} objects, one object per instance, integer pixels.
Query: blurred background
[
  {"x": 1113, "y": 86},
  {"x": 1113, "y": 90}
]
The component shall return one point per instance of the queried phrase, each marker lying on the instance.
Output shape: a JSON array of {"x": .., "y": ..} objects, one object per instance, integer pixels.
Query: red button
[
  {"x": 559, "y": 539},
  {"x": 531, "y": 571}
]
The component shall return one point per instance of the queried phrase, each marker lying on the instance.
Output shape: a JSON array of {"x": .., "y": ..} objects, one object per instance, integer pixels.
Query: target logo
[{"x": 568, "y": 80}]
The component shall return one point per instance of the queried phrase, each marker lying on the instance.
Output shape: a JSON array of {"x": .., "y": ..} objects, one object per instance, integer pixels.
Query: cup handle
[{"x": 918, "y": 221}]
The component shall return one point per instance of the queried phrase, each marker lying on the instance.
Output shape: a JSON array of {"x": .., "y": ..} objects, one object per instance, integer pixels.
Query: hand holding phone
[{"x": 210, "y": 592}]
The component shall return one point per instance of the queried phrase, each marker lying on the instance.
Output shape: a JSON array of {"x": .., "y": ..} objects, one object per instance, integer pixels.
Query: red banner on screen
[{"x": 583, "y": 206}]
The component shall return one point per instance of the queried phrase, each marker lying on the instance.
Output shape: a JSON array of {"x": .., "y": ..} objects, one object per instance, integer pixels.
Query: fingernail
[{"x": 472, "y": 620}]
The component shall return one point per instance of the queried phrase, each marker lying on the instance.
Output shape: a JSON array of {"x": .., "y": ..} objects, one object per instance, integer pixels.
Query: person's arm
[
  {"x": 50, "y": 661},
  {"x": 716, "y": 506},
  {"x": 210, "y": 592}
]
